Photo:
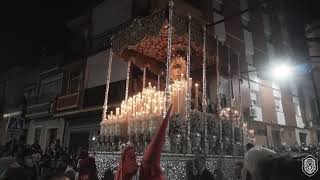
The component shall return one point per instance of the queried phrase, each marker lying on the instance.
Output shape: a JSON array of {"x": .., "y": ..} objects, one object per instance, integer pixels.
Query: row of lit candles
[{"x": 149, "y": 101}]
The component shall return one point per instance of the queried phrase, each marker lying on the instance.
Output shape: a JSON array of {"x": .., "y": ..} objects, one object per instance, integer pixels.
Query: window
[
  {"x": 74, "y": 83},
  {"x": 297, "y": 109},
  {"x": 254, "y": 98},
  {"x": 248, "y": 42},
  {"x": 49, "y": 89},
  {"x": 278, "y": 104},
  {"x": 303, "y": 138}
]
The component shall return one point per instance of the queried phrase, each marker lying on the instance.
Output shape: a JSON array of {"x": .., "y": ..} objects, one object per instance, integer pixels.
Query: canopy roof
[{"x": 144, "y": 41}]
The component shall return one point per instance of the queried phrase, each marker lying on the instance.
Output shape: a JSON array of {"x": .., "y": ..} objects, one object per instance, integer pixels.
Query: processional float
[{"x": 191, "y": 131}]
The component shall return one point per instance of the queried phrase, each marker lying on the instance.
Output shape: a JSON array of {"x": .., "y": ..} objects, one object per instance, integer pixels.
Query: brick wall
[
  {"x": 268, "y": 105},
  {"x": 288, "y": 109}
]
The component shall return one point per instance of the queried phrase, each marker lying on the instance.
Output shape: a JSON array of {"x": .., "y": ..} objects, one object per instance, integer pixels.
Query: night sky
[{"x": 27, "y": 27}]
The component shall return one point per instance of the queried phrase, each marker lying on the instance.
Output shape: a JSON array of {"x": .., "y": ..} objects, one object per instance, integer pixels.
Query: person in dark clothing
[
  {"x": 36, "y": 148},
  {"x": 22, "y": 168}
]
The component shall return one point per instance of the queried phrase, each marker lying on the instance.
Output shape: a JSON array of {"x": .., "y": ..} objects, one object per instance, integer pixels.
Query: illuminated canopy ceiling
[{"x": 145, "y": 41}]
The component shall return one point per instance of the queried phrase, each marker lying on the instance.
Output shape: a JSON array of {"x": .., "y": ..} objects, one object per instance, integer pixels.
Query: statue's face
[
  {"x": 130, "y": 161},
  {"x": 177, "y": 70}
]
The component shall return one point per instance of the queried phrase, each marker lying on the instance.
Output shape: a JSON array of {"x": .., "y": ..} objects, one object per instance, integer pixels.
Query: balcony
[
  {"x": 95, "y": 96},
  {"x": 66, "y": 102},
  {"x": 103, "y": 41},
  {"x": 40, "y": 105}
]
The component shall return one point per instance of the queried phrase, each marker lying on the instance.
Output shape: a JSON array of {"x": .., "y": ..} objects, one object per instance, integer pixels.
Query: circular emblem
[{"x": 310, "y": 165}]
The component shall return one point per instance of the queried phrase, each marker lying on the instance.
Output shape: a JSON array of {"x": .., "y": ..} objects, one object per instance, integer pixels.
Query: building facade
[
  {"x": 311, "y": 93},
  {"x": 13, "y": 122},
  {"x": 66, "y": 99}
]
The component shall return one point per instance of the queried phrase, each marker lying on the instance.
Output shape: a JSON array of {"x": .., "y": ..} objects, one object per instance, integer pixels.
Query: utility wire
[{"x": 264, "y": 85}]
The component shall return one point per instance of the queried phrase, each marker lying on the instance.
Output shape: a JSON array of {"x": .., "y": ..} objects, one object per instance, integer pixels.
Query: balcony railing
[
  {"x": 95, "y": 96},
  {"x": 102, "y": 41},
  {"x": 42, "y": 104},
  {"x": 69, "y": 101},
  {"x": 40, "y": 108}
]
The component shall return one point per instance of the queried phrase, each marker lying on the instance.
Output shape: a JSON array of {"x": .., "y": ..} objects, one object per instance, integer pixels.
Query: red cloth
[{"x": 150, "y": 166}]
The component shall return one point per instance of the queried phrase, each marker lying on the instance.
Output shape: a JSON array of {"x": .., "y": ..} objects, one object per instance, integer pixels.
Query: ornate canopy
[{"x": 144, "y": 41}]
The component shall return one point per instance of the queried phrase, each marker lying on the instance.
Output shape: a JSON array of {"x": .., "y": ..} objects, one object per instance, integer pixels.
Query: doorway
[
  {"x": 77, "y": 140},
  {"x": 51, "y": 136},
  {"x": 276, "y": 138}
]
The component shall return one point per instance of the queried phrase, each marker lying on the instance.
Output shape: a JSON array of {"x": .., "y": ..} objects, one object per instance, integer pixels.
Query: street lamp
[
  {"x": 284, "y": 71},
  {"x": 281, "y": 71}
]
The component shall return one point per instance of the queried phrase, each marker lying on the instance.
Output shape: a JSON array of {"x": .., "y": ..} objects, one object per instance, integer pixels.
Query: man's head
[{"x": 249, "y": 146}]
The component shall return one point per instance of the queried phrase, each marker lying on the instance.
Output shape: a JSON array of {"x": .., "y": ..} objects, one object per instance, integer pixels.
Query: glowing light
[{"x": 281, "y": 71}]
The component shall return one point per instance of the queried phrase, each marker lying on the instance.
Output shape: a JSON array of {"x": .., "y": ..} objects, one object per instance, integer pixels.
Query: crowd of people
[
  {"x": 313, "y": 149},
  {"x": 24, "y": 162},
  {"x": 19, "y": 161}
]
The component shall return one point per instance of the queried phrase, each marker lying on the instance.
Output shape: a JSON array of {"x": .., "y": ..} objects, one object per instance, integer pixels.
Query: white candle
[
  {"x": 178, "y": 100},
  {"x": 196, "y": 102},
  {"x": 117, "y": 113}
]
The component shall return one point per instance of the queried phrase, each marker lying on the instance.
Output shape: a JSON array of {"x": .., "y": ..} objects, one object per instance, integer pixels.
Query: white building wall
[
  {"x": 45, "y": 126},
  {"x": 299, "y": 119},
  {"x": 254, "y": 77},
  {"x": 248, "y": 42},
  {"x": 97, "y": 68}
]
